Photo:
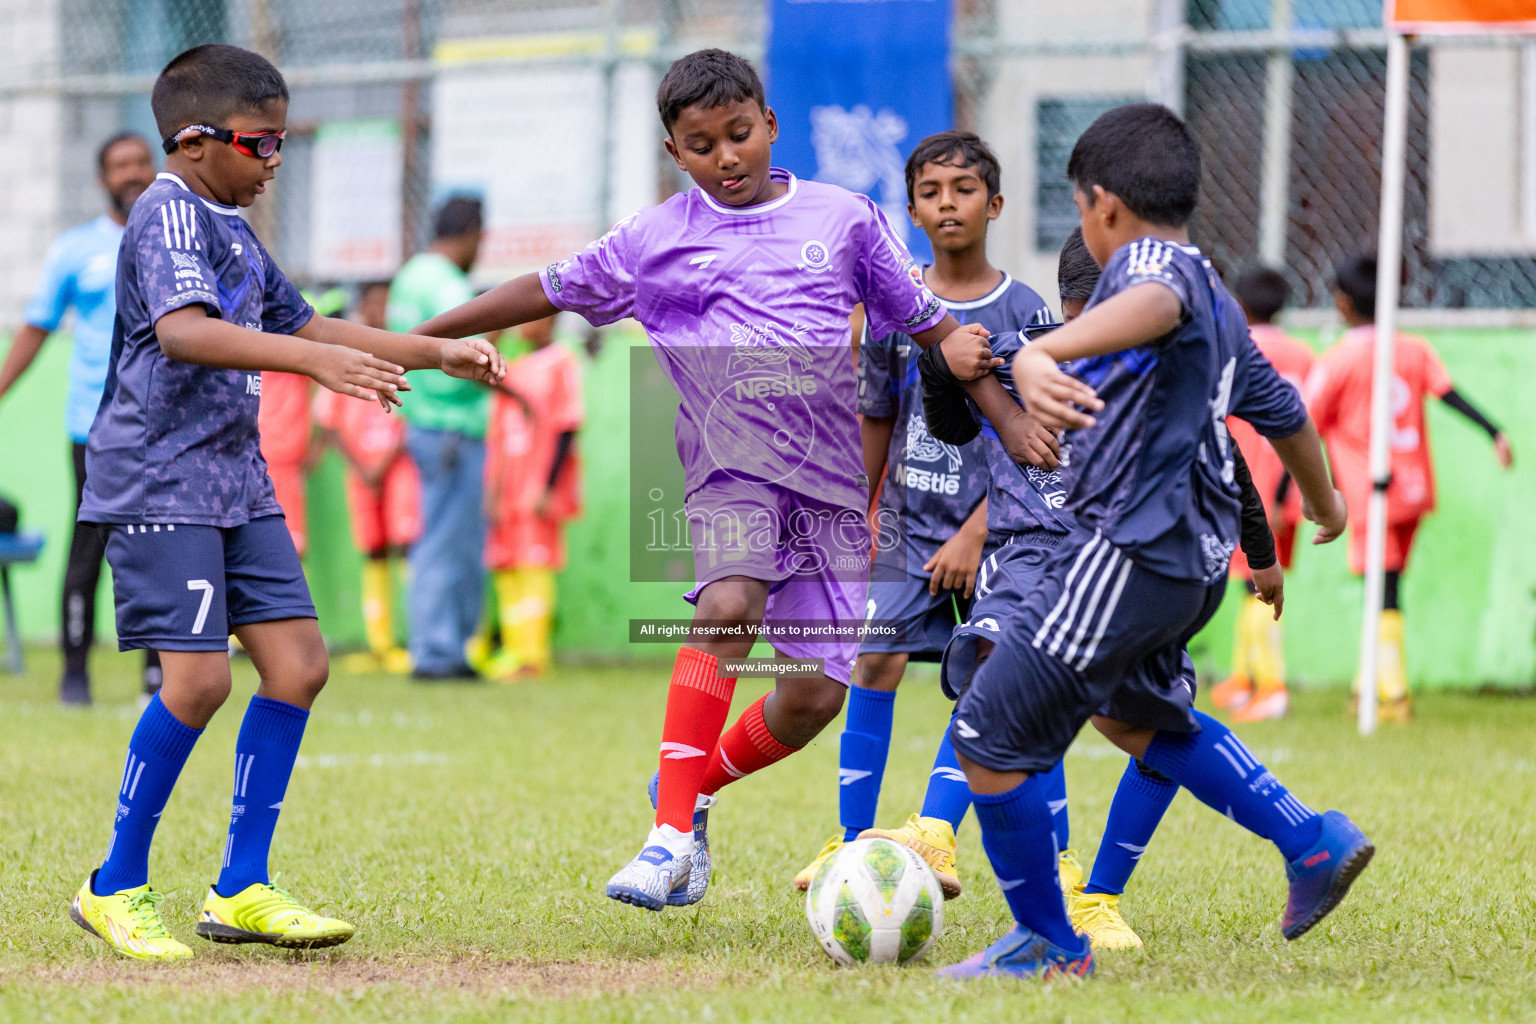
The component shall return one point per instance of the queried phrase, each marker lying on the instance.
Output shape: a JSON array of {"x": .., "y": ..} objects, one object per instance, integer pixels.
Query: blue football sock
[
  {"x": 948, "y": 795},
  {"x": 1140, "y": 802},
  {"x": 861, "y": 757},
  {"x": 1055, "y": 788},
  {"x": 1224, "y": 775},
  {"x": 156, "y": 753},
  {"x": 1017, "y": 832},
  {"x": 264, "y": 754}
]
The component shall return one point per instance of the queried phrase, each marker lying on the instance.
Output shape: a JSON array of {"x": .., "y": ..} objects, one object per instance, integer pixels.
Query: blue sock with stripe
[
  {"x": 156, "y": 754},
  {"x": 1020, "y": 840},
  {"x": 865, "y": 746},
  {"x": 1223, "y": 774},
  {"x": 1054, "y": 783},
  {"x": 1140, "y": 802},
  {"x": 264, "y": 754},
  {"x": 948, "y": 796}
]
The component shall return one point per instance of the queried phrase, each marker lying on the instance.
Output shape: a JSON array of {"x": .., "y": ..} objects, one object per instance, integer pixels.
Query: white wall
[{"x": 31, "y": 133}]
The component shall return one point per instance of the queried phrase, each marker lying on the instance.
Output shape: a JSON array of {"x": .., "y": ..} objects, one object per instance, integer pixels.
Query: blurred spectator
[
  {"x": 382, "y": 495},
  {"x": 446, "y": 437},
  {"x": 532, "y": 489},
  {"x": 81, "y": 272}
]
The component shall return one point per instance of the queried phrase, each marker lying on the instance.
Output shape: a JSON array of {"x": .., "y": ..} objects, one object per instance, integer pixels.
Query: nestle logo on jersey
[
  {"x": 934, "y": 483},
  {"x": 253, "y": 384},
  {"x": 775, "y": 387}
]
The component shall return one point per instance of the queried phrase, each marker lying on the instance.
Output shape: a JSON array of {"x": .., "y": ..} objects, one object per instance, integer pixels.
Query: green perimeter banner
[{"x": 1469, "y": 595}]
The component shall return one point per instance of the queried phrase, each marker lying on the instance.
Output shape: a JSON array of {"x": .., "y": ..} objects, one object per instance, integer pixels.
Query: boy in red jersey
[
  {"x": 383, "y": 495},
  {"x": 1339, "y": 394},
  {"x": 532, "y": 488},
  {"x": 1255, "y": 691}
]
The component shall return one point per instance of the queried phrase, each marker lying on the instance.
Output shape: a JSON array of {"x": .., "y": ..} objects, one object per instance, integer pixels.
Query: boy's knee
[{"x": 818, "y": 703}]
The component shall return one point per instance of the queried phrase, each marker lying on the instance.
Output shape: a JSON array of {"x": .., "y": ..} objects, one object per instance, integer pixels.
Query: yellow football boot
[
  {"x": 1097, "y": 915},
  {"x": 265, "y": 913},
  {"x": 932, "y": 839},
  {"x": 807, "y": 873},
  {"x": 1071, "y": 871},
  {"x": 128, "y": 921}
]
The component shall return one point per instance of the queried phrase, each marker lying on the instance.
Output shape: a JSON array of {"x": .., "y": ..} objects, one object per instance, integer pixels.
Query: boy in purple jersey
[
  {"x": 197, "y": 544},
  {"x": 1161, "y": 355},
  {"x": 744, "y": 285},
  {"x": 933, "y": 513}
]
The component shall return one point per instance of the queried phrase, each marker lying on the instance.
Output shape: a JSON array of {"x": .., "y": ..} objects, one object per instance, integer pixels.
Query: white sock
[{"x": 679, "y": 844}]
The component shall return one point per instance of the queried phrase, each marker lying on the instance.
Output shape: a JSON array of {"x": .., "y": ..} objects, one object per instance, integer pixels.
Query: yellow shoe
[
  {"x": 807, "y": 873},
  {"x": 932, "y": 839},
  {"x": 1097, "y": 916},
  {"x": 1071, "y": 871},
  {"x": 265, "y": 913},
  {"x": 128, "y": 921},
  {"x": 1267, "y": 704},
  {"x": 396, "y": 661},
  {"x": 1399, "y": 710}
]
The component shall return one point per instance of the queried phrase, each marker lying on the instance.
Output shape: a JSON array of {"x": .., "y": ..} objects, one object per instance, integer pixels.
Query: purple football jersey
[
  {"x": 173, "y": 442},
  {"x": 747, "y": 310}
]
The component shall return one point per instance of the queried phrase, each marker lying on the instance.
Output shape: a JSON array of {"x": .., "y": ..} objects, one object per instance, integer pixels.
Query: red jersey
[
  {"x": 367, "y": 433},
  {"x": 1339, "y": 396},
  {"x": 283, "y": 417},
  {"x": 1292, "y": 360}
]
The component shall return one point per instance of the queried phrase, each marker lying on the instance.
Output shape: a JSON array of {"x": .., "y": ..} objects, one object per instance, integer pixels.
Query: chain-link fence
[{"x": 544, "y": 107}]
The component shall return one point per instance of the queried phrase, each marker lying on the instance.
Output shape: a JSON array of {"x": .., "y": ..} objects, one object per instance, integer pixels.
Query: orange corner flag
[{"x": 1427, "y": 17}]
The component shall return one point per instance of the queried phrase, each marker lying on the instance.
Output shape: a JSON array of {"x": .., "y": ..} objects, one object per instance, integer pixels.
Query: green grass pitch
[{"x": 468, "y": 832}]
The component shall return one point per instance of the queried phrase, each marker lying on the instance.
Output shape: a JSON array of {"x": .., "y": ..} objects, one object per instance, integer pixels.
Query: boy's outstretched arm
[
  {"x": 1302, "y": 454},
  {"x": 518, "y": 301},
  {"x": 190, "y": 335},
  {"x": 1501, "y": 449},
  {"x": 472, "y": 358}
]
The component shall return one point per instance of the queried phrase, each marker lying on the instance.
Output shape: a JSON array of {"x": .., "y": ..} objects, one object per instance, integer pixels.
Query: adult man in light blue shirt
[{"x": 80, "y": 272}]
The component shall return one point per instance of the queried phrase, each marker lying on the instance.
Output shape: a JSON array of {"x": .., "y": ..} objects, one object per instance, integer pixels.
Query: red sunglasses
[{"x": 261, "y": 145}]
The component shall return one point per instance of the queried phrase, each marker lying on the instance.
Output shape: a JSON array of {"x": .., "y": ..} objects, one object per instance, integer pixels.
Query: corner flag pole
[{"x": 1389, "y": 260}]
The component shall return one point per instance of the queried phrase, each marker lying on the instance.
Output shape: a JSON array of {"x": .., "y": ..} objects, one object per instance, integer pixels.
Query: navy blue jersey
[
  {"x": 1021, "y": 497},
  {"x": 932, "y": 487},
  {"x": 173, "y": 442},
  {"x": 1154, "y": 473}
]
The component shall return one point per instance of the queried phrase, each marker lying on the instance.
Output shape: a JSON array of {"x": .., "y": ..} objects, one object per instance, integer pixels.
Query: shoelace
[
  {"x": 147, "y": 918},
  {"x": 276, "y": 901},
  {"x": 1099, "y": 913}
]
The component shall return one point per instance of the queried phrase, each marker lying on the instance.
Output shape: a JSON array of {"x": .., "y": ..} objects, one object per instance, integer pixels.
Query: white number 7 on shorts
[{"x": 202, "y": 609}]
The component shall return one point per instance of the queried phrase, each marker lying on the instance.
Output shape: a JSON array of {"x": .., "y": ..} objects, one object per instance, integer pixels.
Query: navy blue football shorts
[
  {"x": 1005, "y": 580},
  {"x": 912, "y": 621},
  {"x": 180, "y": 587},
  {"x": 1098, "y": 635}
]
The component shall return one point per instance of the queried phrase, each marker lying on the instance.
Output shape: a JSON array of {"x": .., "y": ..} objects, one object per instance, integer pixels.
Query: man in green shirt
[{"x": 447, "y": 420}]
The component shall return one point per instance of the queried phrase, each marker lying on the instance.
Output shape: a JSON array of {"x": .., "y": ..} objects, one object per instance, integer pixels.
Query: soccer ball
[{"x": 875, "y": 902}]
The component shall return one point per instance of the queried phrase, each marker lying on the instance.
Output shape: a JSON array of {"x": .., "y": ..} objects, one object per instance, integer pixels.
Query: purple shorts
[{"x": 813, "y": 555}]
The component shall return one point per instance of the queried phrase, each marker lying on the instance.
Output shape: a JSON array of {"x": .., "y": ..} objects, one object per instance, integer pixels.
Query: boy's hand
[
  {"x": 1269, "y": 587},
  {"x": 1330, "y": 521},
  {"x": 954, "y": 565},
  {"x": 967, "y": 352},
  {"x": 1033, "y": 444},
  {"x": 350, "y": 372},
  {"x": 1502, "y": 451},
  {"x": 1049, "y": 395},
  {"x": 473, "y": 359}
]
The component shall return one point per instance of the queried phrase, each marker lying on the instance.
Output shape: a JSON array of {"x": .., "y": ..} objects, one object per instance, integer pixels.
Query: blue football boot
[
  {"x": 1320, "y": 877},
  {"x": 1023, "y": 953}
]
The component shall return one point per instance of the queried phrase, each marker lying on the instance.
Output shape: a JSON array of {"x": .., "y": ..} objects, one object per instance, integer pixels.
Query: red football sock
[
  {"x": 697, "y": 706},
  {"x": 746, "y": 748}
]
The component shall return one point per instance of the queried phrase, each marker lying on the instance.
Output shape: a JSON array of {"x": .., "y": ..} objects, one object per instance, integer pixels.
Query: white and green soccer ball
[{"x": 875, "y": 902}]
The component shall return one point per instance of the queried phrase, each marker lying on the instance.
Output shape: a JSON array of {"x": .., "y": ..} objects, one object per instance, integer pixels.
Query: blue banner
[{"x": 856, "y": 84}]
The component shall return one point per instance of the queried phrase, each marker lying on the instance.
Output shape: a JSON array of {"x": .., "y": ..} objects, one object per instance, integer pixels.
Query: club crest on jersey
[
  {"x": 814, "y": 257},
  {"x": 915, "y": 272}
]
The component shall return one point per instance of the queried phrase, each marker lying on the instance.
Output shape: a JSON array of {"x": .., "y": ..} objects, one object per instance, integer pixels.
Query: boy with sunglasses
[{"x": 197, "y": 546}]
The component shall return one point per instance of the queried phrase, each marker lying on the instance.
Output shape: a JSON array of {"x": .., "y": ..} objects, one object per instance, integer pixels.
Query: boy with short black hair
[
  {"x": 1159, "y": 359},
  {"x": 198, "y": 548},
  {"x": 933, "y": 506},
  {"x": 1339, "y": 392},
  {"x": 1255, "y": 691},
  {"x": 744, "y": 285}
]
